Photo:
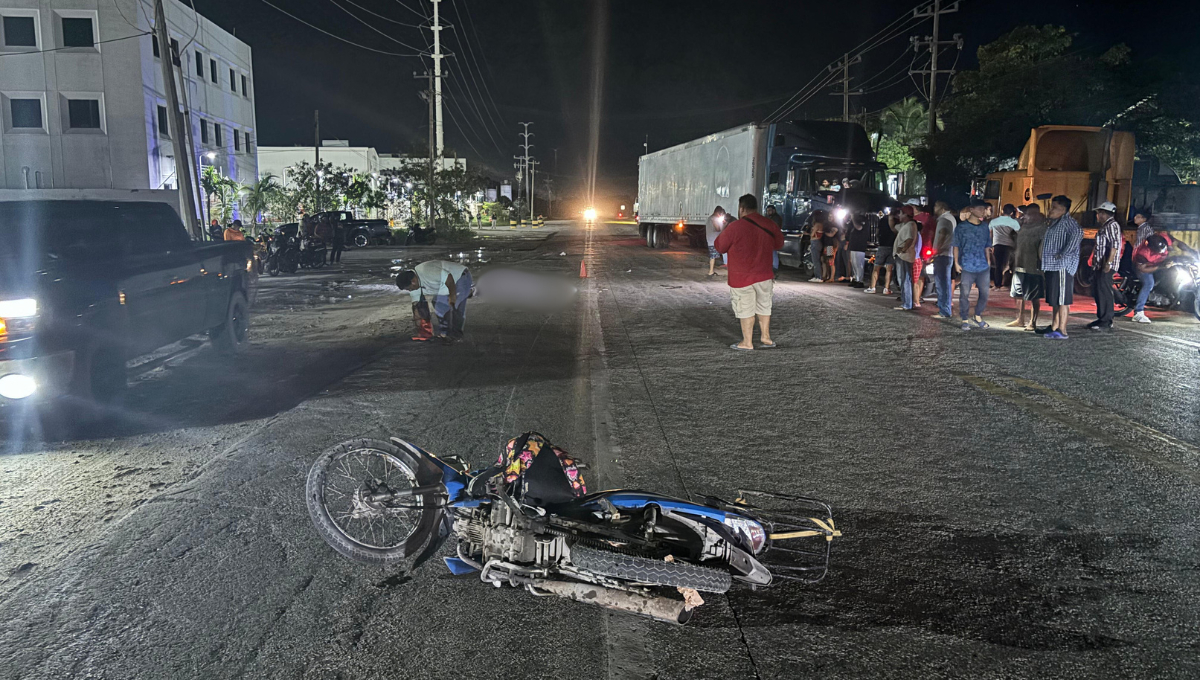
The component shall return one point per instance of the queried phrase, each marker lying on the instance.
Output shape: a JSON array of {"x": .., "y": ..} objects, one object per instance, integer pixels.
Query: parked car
[
  {"x": 87, "y": 285},
  {"x": 359, "y": 233}
]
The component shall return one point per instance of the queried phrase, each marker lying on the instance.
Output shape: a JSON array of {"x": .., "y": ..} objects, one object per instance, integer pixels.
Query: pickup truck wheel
[
  {"x": 361, "y": 241},
  {"x": 231, "y": 336}
]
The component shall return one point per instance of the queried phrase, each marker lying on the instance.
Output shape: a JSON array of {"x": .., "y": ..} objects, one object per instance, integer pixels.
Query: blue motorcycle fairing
[{"x": 458, "y": 566}]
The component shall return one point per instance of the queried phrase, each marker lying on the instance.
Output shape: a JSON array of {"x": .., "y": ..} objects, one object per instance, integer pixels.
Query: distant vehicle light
[
  {"x": 840, "y": 214},
  {"x": 17, "y": 386},
  {"x": 22, "y": 308},
  {"x": 589, "y": 214}
]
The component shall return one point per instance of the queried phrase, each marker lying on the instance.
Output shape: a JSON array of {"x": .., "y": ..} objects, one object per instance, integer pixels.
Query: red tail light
[{"x": 927, "y": 253}]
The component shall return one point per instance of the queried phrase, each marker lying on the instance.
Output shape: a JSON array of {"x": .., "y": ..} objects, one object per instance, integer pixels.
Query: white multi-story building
[
  {"x": 363, "y": 160},
  {"x": 83, "y": 102}
]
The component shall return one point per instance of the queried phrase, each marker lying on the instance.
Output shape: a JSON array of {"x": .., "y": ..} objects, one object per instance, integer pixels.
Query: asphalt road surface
[{"x": 1012, "y": 507}]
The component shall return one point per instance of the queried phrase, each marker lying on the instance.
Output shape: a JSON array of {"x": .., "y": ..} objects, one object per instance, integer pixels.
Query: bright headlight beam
[
  {"x": 18, "y": 309},
  {"x": 17, "y": 386}
]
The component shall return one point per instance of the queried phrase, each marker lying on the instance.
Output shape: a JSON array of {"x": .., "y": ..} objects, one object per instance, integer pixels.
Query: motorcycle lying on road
[
  {"x": 1176, "y": 286},
  {"x": 528, "y": 522}
]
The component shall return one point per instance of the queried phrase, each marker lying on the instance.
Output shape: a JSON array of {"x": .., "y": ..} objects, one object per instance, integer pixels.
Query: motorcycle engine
[{"x": 499, "y": 533}]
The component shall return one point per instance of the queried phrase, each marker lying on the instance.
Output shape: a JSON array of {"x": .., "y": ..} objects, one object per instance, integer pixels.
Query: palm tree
[
  {"x": 210, "y": 181},
  {"x": 257, "y": 196},
  {"x": 905, "y": 121}
]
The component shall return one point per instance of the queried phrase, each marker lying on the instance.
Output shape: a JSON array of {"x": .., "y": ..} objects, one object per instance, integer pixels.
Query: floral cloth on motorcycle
[{"x": 521, "y": 452}]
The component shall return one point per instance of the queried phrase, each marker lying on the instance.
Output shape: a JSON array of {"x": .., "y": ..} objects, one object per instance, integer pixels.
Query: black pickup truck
[
  {"x": 358, "y": 233},
  {"x": 87, "y": 285}
]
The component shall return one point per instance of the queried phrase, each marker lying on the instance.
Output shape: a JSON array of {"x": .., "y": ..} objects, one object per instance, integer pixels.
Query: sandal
[{"x": 739, "y": 348}]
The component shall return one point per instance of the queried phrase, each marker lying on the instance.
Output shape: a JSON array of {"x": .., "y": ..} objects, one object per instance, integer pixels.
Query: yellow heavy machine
[{"x": 1089, "y": 165}]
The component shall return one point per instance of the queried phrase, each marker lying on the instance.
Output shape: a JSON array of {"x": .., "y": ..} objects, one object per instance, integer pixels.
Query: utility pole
[
  {"x": 934, "y": 45},
  {"x": 532, "y": 186},
  {"x": 524, "y": 158},
  {"x": 844, "y": 66},
  {"x": 193, "y": 159},
  {"x": 430, "y": 96},
  {"x": 436, "y": 27},
  {"x": 550, "y": 196},
  {"x": 646, "y": 146},
  {"x": 183, "y": 165},
  {"x": 317, "y": 147}
]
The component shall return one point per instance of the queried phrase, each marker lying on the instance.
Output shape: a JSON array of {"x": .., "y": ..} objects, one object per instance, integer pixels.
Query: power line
[
  {"x": 368, "y": 25},
  {"x": 385, "y": 18},
  {"x": 423, "y": 15},
  {"x": 467, "y": 64},
  {"x": 55, "y": 49},
  {"x": 334, "y": 35},
  {"x": 885, "y": 34},
  {"x": 471, "y": 54}
]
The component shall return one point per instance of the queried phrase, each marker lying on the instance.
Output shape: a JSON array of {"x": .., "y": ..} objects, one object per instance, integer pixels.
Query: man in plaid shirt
[
  {"x": 1106, "y": 258},
  {"x": 1060, "y": 260},
  {"x": 1144, "y": 230}
]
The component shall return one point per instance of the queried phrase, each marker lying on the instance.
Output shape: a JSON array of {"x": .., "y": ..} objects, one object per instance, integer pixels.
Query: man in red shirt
[{"x": 750, "y": 243}]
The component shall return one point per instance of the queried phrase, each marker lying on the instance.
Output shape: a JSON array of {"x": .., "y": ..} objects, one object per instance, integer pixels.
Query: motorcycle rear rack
[{"x": 800, "y": 531}]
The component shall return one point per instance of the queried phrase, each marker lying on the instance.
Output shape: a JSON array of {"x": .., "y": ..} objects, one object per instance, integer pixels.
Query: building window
[
  {"x": 77, "y": 32},
  {"x": 26, "y": 113},
  {"x": 217, "y": 135},
  {"x": 237, "y": 140},
  {"x": 247, "y": 141},
  {"x": 212, "y": 69},
  {"x": 245, "y": 87},
  {"x": 233, "y": 80},
  {"x": 154, "y": 47},
  {"x": 163, "y": 128},
  {"x": 84, "y": 114},
  {"x": 199, "y": 64},
  {"x": 203, "y": 131},
  {"x": 20, "y": 32},
  {"x": 174, "y": 51}
]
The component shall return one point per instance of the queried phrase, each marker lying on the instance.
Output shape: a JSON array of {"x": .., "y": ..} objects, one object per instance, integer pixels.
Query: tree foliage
[{"x": 1036, "y": 76}]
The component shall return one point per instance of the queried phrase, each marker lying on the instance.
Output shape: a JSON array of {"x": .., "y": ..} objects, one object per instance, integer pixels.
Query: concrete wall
[
  {"x": 121, "y": 73},
  {"x": 277, "y": 159}
]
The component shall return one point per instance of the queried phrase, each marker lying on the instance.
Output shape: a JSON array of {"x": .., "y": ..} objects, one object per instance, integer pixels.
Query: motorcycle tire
[
  {"x": 1196, "y": 303},
  {"x": 651, "y": 571},
  {"x": 320, "y": 494},
  {"x": 1123, "y": 300}
]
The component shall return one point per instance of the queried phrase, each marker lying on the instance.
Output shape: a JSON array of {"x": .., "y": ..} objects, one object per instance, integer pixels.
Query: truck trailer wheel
[
  {"x": 662, "y": 236},
  {"x": 651, "y": 234},
  {"x": 231, "y": 336}
]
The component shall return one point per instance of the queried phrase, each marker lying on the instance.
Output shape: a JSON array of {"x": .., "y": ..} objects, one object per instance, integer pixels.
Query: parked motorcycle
[
  {"x": 283, "y": 255},
  {"x": 382, "y": 502},
  {"x": 420, "y": 237},
  {"x": 312, "y": 252},
  {"x": 1176, "y": 286}
]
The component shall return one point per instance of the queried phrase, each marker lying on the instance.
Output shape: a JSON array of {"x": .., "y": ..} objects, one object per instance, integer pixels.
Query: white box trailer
[{"x": 678, "y": 187}]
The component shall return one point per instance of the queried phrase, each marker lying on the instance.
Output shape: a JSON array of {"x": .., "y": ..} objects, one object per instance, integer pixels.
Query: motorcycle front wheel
[
  {"x": 343, "y": 491},
  {"x": 1123, "y": 299}
]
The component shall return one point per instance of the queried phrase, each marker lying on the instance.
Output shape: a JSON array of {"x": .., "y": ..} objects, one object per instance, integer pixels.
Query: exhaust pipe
[{"x": 658, "y": 608}]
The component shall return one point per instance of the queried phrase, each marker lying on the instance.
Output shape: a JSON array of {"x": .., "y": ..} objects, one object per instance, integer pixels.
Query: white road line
[{"x": 1156, "y": 336}]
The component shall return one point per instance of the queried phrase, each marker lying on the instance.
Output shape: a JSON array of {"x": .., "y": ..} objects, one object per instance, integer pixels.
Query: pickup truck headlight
[
  {"x": 17, "y": 318},
  {"x": 18, "y": 309}
]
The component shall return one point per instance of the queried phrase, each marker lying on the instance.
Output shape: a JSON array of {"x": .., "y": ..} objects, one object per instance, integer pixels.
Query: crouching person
[{"x": 448, "y": 285}]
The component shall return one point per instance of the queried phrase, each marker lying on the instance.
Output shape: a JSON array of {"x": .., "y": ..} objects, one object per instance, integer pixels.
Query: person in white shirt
[
  {"x": 1004, "y": 240},
  {"x": 448, "y": 285}
]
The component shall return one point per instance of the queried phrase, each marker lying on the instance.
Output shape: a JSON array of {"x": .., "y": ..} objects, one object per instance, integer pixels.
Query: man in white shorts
[{"x": 750, "y": 242}]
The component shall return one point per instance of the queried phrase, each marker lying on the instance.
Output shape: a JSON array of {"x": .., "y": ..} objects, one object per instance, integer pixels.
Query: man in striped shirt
[
  {"x": 1060, "y": 260},
  {"x": 1144, "y": 229},
  {"x": 1106, "y": 258}
]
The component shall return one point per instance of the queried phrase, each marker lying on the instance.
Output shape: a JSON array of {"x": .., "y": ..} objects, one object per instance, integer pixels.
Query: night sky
[{"x": 673, "y": 70}]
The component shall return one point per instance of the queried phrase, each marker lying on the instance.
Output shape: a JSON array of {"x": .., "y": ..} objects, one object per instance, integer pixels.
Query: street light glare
[
  {"x": 589, "y": 214},
  {"x": 211, "y": 155}
]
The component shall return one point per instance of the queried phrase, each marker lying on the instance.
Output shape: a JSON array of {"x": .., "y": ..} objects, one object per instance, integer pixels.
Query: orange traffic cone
[{"x": 582, "y": 269}]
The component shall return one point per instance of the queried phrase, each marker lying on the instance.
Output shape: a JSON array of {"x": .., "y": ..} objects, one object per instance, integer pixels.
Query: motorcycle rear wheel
[
  {"x": 651, "y": 571},
  {"x": 1124, "y": 300},
  {"x": 337, "y": 495}
]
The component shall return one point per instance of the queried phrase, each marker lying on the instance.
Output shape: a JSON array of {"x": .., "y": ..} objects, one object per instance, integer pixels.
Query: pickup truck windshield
[{"x": 34, "y": 232}]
